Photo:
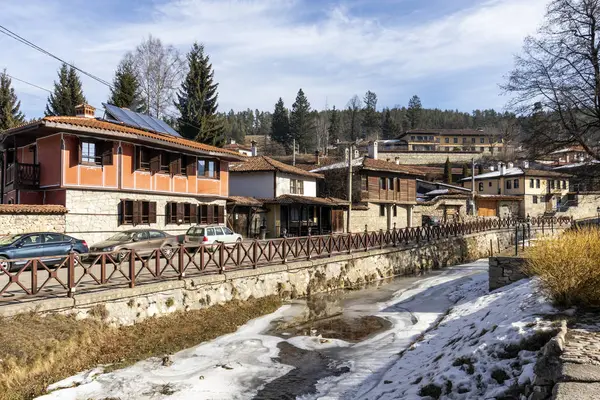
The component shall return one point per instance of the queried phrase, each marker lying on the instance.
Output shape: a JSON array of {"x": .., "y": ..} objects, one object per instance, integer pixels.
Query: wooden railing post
[
  {"x": 34, "y": 273},
  {"x": 381, "y": 239},
  {"x": 221, "y": 257},
  {"x": 181, "y": 261},
  {"x": 394, "y": 237},
  {"x": 308, "y": 242},
  {"x": 283, "y": 250},
  {"x": 71, "y": 274},
  {"x": 254, "y": 253},
  {"x": 102, "y": 268},
  {"x": 330, "y": 244},
  {"x": 132, "y": 268}
]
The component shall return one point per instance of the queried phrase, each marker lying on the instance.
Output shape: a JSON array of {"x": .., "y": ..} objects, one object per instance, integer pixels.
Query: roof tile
[
  {"x": 32, "y": 209},
  {"x": 264, "y": 163}
]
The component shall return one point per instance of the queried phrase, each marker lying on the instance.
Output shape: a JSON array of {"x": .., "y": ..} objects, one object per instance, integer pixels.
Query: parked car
[
  {"x": 50, "y": 248},
  {"x": 143, "y": 241},
  {"x": 431, "y": 221},
  {"x": 211, "y": 234}
]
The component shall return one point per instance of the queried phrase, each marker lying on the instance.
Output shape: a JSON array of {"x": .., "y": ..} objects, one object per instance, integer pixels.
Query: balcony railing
[{"x": 22, "y": 176}]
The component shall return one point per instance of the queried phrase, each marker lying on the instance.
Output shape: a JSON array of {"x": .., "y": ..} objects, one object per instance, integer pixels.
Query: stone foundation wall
[
  {"x": 94, "y": 215},
  {"x": 451, "y": 210},
  {"x": 505, "y": 270},
  {"x": 23, "y": 223},
  {"x": 374, "y": 222},
  {"x": 415, "y": 157},
  {"x": 586, "y": 207}
]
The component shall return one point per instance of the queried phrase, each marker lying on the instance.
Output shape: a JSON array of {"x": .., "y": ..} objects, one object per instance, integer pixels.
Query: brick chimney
[{"x": 85, "y": 111}]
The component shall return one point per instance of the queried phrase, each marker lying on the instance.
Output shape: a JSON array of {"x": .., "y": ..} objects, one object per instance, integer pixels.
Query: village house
[
  {"x": 289, "y": 196},
  {"x": 519, "y": 191},
  {"x": 114, "y": 173},
  {"x": 473, "y": 140},
  {"x": 383, "y": 193}
]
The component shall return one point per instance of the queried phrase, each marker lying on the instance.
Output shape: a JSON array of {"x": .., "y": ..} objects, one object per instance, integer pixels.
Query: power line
[{"x": 28, "y": 83}]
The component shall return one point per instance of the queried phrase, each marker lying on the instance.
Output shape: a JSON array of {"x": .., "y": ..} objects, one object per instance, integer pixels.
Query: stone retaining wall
[
  {"x": 505, "y": 270},
  {"x": 22, "y": 218},
  {"x": 417, "y": 157}
]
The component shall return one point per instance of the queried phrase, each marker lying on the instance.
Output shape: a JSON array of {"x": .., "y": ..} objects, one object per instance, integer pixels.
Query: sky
[{"x": 452, "y": 54}]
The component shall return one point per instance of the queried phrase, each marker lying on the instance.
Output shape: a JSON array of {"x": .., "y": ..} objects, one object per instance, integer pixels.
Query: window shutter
[
  {"x": 180, "y": 212},
  {"x": 168, "y": 213},
  {"x": 191, "y": 166},
  {"x": 173, "y": 165},
  {"x": 152, "y": 212},
  {"x": 194, "y": 213},
  {"x": 107, "y": 153},
  {"x": 76, "y": 153},
  {"x": 121, "y": 212},
  {"x": 137, "y": 212},
  {"x": 155, "y": 162},
  {"x": 210, "y": 214},
  {"x": 217, "y": 169},
  {"x": 221, "y": 214}
]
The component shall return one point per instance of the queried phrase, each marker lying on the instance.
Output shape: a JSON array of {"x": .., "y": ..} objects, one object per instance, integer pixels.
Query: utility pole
[
  {"x": 350, "y": 155},
  {"x": 473, "y": 186},
  {"x": 294, "y": 153}
]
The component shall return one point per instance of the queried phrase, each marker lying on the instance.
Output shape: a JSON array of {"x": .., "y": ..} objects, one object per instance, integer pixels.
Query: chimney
[
  {"x": 397, "y": 160},
  {"x": 346, "y": 155},
  {"x": 317, "y": 157},
  {"x": 232, "y": 141},
  {"x": 492, "y": 168},
  {"x": 253, "y": 149},
  {"x": 373, "y": 150},
  {"x": 510, "y": 165},
  {"x": 502, "y": 169},
  {"x": 356, "y": 153},
  {"x": 525, "y": 164},
  {"x": 85, "y": 111}
]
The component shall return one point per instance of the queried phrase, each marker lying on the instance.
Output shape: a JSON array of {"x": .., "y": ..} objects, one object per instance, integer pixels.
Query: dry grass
[
  {"x": 569, "y": 267},
  {"x": 36, "y": 351}
]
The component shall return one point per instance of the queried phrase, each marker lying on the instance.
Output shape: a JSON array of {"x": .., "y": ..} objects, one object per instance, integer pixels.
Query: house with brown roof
[
  {"x": 290, "y": 196},
  {"x": 383, "y": 193},
  {"x": 113, "y": 175}
]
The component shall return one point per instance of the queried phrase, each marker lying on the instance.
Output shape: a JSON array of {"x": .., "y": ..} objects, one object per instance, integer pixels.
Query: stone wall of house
[
  {"x": 94, "y": 215},
  {"x": 586, "y": 207},
  {"x": 449, "y": 210},
  {"x": 414, "y": 157},
  {"x": 509, "y": 209},
  {"x": 31, "y": 222},
  {"x": 373, "y": 221},
  {"x": 505, "y": 270}
]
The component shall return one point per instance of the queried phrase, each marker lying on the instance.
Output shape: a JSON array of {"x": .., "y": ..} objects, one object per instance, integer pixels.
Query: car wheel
[
  {"x": 77, "y": 259},
  {"x": 5, "y": 264},
  {"x": 239, "y": 240},
  {"x": 167, "y": 251},
  {"x": 122, "y": 255}
]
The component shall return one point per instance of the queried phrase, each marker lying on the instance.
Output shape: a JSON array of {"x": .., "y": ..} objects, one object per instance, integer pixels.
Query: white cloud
[{"x": 263, "y": 49}]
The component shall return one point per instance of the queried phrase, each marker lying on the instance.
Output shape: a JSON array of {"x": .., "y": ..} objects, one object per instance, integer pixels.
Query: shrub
[
  {"x": 568, "y": 267},
  {"x": 431, "y": 390}
]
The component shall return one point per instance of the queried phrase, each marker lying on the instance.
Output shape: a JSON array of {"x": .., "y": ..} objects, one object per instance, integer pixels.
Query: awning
[{"x": 305, "y": 200}]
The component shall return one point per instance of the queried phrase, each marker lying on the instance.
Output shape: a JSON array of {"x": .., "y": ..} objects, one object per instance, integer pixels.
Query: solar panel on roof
[{"x": 139, "y": 120}]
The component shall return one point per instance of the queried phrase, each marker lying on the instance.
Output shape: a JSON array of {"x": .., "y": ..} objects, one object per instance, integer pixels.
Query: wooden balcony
[{"x": 22, "y": 176}]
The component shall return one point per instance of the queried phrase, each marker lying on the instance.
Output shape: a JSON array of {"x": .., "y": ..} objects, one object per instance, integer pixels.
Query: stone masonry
[
  {"x": 416, "y": 157},
  {"x": 93, "y": 215},
  {"x": 505, "y": 270},
  {"x": 17, "y": 218}
]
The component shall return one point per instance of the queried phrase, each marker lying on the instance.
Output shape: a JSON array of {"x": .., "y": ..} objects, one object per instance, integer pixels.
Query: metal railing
[{"x": 80, "y": 272}]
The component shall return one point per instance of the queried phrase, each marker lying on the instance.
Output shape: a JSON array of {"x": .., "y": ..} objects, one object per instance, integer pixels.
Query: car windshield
[
  {"x": 121, "y": 236},
  {"x": 4, "y": 240}
]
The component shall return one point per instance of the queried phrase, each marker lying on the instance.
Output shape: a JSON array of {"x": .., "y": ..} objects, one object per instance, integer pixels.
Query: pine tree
[
  {"x": 389, "y": 128},
  {"x": 280, "y": 126},
  {"x": 447, "y": 171},
  {"x": 414, "y": 112},
  {"x": 370, "y": 121},
  {"x": 334, "y": 126},
  {"x": 302, "y": 123},
  {"x": 68, "y": 93},
  {"x": 10, "y": 114},
  {"x": 126, "y": 90},
  {"x": 197, "y": 101}
]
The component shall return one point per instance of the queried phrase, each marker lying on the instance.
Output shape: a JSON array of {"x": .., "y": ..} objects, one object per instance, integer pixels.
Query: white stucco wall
[
  {"x": 283, "y": 184},
  {"x": 253, "y": 184}
]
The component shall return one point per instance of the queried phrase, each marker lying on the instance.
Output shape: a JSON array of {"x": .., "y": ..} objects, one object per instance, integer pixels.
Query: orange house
[{"x": 111, "y": 176}]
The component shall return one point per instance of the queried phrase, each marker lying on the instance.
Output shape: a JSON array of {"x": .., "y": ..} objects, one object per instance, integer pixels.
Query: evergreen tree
[
  {"x": 302, "y": 123},
  {"x": 414, "y": 112},
  {"x": 10, "y": 114},
  {"x": 389, "y": 128},
  {"x": 479, "y": 169},
  {"x": 466, "y": 171},
  {"x": 280, "y": 125},
  {"x": 126, "y": 90},
  {"x": 68, "y": 93},
  {"x": 370, "y": 121},
  {"x": 334, "y": 126},
  {"x": 197, "y": 101},
  {"x": 448, "y": 171}
]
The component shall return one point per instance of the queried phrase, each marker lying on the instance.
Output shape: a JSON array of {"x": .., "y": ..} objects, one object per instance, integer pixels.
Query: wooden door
[
  {"x": 486, "y": 208},
  {"x": 337, "y": 221}
]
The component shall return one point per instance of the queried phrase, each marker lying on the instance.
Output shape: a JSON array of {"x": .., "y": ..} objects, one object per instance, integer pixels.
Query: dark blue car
[{"x": 49, "y": 247}]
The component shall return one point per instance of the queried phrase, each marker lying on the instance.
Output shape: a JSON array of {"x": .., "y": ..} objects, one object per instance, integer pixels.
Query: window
[
  {"x": 210, "y": 232},
  {"x": 156, "y": 235},
  {"x": 296, "y": 186},
  {"x": 390, "y": 184},
  {"x": 472, "y": 140},
  {"x": 395, "y": 210},
  {"x": 183, "y": 164},
  {"x": 481, "y": 186},
  {"x": 54, "y": 238},
  {"x": 464, "y": 140},
  {"x": 382, "y": 182},
  {"x": 382, "y": 210},
  {"x": 412, "y": 138},
  {"x": 490, "y": 183},
  {"x": 227, "y": 231},
  {"x": 211, "y": 214},
  {"x": 88, "y": 152},
  {"x": 447, "y": 140},
  {"x": 455, "y": 140},
  {"x": 181, "y": 213},
  {"x": 509, "y": 184},
  {"x": 95, "y": 153},
  {"x": 482, "y": 140},
  {"x": 398, "y": 182},
  {"x": 364, "y": 183},
  {"x": 208, "y": 169},
  {"x": 142, "y": 159},
  {"x": 142, "y": 235},
  {"x": 531, "y": 183},
  {"x": 537, "y": 183},
  {"x": 551, "y": 184},
  {"x": 293, "y": 186},
  {"x": 219, "y": 231},
  {"x": 564, "y": 184},
  {"x": 482, "y": 149},
  {"x": 516, "y": 184},
  {"x": 135, "y": 212},
  {"x": 535, "y": 199},
  {"x": 164, "y": 161},
  {"x": 32, "y": 240}
]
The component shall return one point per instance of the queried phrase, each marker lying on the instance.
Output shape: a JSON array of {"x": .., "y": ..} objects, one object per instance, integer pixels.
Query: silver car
[{"x": 211, "y": 234}]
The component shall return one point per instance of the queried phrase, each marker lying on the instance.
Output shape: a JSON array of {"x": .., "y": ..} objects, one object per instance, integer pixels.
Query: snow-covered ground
[{"x": 446, "y": 332}]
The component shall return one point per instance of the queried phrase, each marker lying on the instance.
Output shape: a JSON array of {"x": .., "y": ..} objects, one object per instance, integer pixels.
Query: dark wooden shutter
[
  {"x": 221, "y": 214},
  {"x": 210, "y": 214},
  {"x": 152, "y": 212},
  {"x": 107, "y": 153},
  {"x": 191, "y": 166},
  {"x": 217, "y": 169},
  {"x": 121, "y": 212},
  {"x": 175, "y": 165},
  {"x": 137, "y": 212},
  {"x": 180, "y": 212},
  {"x": 194, "y": 213},
  {"x": 168, "y": 213},
  {"x": 155, "y": 162}
]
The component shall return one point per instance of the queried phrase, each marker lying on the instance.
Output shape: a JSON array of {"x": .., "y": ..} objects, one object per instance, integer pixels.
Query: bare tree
[
  {"x": 159, "y": 69},
  {"x": 354, "y": 107},
  {"x": 556, "y": 81}
]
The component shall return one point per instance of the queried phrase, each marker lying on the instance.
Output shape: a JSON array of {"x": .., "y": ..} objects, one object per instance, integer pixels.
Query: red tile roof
[
  {"x": 381, "y": 165},
  {"x": 106, "y": 126},
  {"x": 264, "y": 163},
  {"x": 32, "y": 209}
]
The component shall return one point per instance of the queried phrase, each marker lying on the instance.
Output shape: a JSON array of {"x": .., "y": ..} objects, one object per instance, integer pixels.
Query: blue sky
[{"x": 453, "y": 54}]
